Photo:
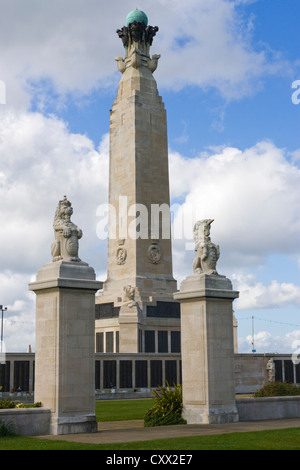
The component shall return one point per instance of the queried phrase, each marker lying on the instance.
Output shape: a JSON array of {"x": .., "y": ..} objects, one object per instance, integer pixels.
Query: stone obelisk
[{"x": 139, "y": 237}]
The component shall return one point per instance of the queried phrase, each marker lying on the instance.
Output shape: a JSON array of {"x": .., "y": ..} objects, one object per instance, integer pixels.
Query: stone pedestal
[
  {"x": 129, "y": 329},
  {"x": 65, "y": 351},
  {"x": 207, "y": 349}
]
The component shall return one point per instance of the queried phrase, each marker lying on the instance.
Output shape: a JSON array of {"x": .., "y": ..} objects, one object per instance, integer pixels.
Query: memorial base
[
  {"x": 195, "y": 415},
  {"x": 76, "y": 425}
]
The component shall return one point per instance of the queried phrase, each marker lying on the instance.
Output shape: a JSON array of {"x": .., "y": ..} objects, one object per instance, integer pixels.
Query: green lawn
[
  {"x": 286, "y": 439},
  {"x": 122, "y": 410}
]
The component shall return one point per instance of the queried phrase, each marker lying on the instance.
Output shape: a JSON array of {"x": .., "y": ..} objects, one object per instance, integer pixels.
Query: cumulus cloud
[
  {"x": 265, "y": 342},
  {"x": 40, "y": 162},
  {"x": 252, "y": 194},
  {"x": 256, "y": 295},
  {"x": 70, "y": 47},
  {"x": 253, "y": 197}
]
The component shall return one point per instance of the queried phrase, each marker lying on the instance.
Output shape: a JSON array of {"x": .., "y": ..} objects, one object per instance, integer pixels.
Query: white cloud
[
  {"x": 19, "y": 318},
  {"x": 253, "y": 196},
  {"x": 266, "y": 342},
  {"x": 71, "y": 46},
  {"x": 256, "y": 295},
  {"x": 40, "y": 162},
  {"x": 210, "y": 47}
]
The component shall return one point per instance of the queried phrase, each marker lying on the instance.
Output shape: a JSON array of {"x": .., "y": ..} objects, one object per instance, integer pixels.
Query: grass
[
  {"x": 122, "y": 410},
  {"x": 285, "y": 439}
]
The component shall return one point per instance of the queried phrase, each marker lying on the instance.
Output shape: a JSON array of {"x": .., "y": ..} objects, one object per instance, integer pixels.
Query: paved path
[{"x": 129, "y": 431}]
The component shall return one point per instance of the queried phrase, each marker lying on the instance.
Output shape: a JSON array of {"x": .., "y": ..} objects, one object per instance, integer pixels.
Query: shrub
[
  {"x": 277, "y": 389},
  {"x": 5, "y": 404},
  {"x": 167, "y": 408},
  {"x": 6, "y": 429},
  {"x": 38, "y": 404}
]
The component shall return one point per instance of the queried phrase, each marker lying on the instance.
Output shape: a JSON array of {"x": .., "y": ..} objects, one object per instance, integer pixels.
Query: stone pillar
[
  {"x": 65, "y": 335},
  {"x": 129, "y": 320},
  {"x": 128, "y": 327},
  {"x": 207, "y": 344},
  {"x": 65, "y": 350}
]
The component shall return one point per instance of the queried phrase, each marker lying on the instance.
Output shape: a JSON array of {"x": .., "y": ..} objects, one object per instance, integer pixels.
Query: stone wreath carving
[
  {"x": 121, "y": 255},
  {"x": 154, "y": 253},
  {"x": 67, "y": 234},
  {"x": 207, "y": 253}
]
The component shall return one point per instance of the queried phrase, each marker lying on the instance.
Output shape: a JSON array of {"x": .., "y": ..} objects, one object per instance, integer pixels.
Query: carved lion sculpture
[
  {"x": 66, "y": 233},
  {"x": 128, "y": 299},
  {"x": 207, "y": 253}
]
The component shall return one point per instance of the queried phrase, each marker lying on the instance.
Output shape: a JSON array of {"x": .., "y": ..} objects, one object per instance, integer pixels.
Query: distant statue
[
  {"x": 128, "y": 299},
  {"x": 271, "y": 370},
  {"x": 207, "y": 253},
  {"x": 66, "y": 233}
]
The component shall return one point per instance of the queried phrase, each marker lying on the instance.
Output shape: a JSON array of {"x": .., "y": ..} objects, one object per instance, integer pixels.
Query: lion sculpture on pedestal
[
  {"x": 67, "y": 234},
  {"x": 207, "y": 253}
]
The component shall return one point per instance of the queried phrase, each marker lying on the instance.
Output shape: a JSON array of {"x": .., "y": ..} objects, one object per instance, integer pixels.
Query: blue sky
[{"x": 225, "y": 75}]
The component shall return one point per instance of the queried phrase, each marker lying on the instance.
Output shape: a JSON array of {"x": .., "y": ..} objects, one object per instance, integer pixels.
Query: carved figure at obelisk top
[
  {"x": 207, "y": 253},
  {"x": 66, "y": 233},
  {"x": 137, "y": 37}
]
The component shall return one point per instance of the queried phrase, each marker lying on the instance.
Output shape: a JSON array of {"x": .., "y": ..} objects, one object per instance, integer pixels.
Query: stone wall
[
  {"x": 27, "y": 421},
  {"x": 36, "y": 421},
  {"x": 257, "y": 409}
]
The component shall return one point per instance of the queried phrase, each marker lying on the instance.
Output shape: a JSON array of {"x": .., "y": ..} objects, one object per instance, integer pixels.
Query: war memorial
[{"x": 140, "y": 331}]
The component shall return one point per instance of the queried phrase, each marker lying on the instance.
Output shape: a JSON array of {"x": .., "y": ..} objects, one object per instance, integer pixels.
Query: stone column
[
  {"x": 129, "y": 320},
  {"x": 65, "y": 335},
  {"x": 207, "y": 342}
]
